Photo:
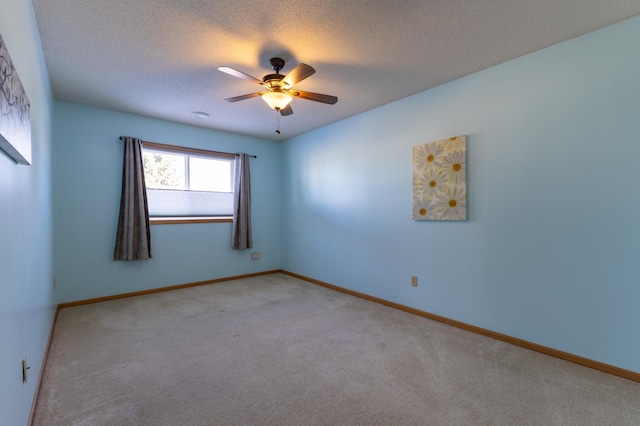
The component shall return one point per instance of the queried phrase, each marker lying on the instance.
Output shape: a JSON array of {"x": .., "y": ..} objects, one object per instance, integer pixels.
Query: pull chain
[{"x": 278, "y": 121}]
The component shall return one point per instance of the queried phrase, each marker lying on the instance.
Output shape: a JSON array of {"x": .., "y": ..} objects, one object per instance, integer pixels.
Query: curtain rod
[{"x": 187, "y": 148}]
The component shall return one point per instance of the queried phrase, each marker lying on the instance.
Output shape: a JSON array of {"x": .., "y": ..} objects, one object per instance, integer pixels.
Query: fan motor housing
[
  {"x": 274, "y": 82},
  {"x": 272, "y": 77}
]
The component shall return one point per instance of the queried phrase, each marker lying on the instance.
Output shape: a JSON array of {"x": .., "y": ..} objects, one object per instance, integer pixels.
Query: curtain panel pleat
[
  {"x": 242, "y": 204},
  {"x": 133, "y": 237}
]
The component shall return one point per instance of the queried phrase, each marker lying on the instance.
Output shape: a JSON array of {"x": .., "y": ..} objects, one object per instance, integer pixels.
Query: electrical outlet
[
  {"x": 25, "y": 367},
  {"x": 414, "y": 281}
]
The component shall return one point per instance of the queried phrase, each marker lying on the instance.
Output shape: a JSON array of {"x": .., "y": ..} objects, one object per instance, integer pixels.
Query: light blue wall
[
  {"x": 26, "y": 272},
  {"x": 551, "y": 253},
  {"x": 88, "y": 169}
]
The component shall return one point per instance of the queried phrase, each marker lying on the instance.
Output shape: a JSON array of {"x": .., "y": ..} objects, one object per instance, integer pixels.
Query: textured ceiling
[{"x": 159, "y": 58}]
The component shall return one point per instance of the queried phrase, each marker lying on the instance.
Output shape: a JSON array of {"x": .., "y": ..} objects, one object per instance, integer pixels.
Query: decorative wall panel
[{"x": 15, "y": 125}]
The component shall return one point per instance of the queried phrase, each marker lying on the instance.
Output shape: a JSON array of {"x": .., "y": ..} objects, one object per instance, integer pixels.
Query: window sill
[{"x": 181, "y": 220}]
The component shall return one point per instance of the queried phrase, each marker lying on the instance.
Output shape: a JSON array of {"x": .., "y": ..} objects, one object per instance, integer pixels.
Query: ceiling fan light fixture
[{"x": 277, "y": 100}]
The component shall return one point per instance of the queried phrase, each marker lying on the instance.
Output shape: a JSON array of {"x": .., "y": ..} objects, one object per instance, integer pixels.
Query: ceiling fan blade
[
  {"x": 239, "y": 74},
  {"x": 298, "y": 74},
  {"x": 243, "y": 97},
  {"x": 317, "y": 97},
  {"x": 286, "y": 111}
]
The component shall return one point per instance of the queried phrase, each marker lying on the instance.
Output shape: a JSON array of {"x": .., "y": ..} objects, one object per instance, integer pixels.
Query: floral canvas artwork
[{"x": 440, "y": 180}]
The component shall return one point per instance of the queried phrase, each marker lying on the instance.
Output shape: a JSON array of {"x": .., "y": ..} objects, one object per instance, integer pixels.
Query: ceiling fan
[{"x": 278, "y": 92}]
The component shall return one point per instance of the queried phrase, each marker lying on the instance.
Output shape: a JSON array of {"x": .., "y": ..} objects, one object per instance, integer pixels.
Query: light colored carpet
[{"x": 274, "y": 350}]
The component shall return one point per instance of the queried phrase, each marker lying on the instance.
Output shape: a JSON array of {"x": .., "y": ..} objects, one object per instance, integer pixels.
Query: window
[{"x": 188, "y": 183}]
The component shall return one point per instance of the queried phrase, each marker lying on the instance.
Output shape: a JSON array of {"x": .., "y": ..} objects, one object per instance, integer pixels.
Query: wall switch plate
[{"x": 414, "y": 281}]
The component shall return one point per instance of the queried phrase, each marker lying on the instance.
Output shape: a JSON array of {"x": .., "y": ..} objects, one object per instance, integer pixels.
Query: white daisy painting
[{"x": 440, "y": 180}]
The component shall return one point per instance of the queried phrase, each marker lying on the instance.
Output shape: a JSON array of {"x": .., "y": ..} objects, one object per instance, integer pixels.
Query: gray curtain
[
  {"x": 242, "y": 204},
  {"x": 133, "y": 238}
]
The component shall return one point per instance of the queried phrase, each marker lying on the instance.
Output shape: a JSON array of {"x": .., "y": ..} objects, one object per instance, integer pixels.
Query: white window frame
[{"x": 190, "y": 218}]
